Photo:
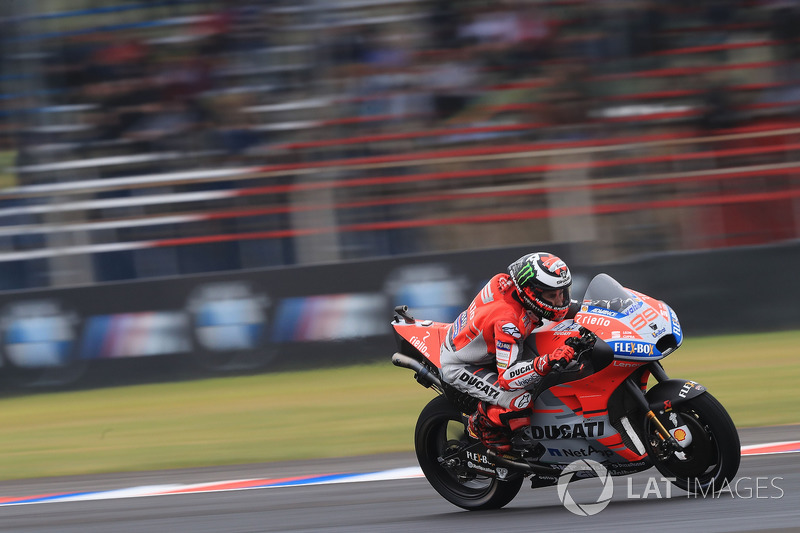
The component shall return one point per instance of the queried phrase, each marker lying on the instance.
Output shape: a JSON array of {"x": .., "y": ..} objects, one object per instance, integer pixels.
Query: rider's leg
[{"x": 502, "y": 417}]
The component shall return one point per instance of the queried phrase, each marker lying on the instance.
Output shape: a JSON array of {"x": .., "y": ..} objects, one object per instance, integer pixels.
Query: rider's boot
[
  {"x": 522, "y": 441},
  {"x": 484, "y": 425}
]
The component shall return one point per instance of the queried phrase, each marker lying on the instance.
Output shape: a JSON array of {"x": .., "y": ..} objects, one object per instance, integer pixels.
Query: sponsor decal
[
  {"x": 589, "y": 320},
  {"x": 565, "y": 328},
  {"x": 520, "y": 371},
  {"x": 479, "y": 384},
  {"x": 635, "y": 306},
  {"x": 676, "y": 326},
  {"x": 459, "y": 324},
  {"x": 602, "y": 311},
  {"x": 476, "y": 466},
  {"x": 626, "y": 364},
  {"x": 523, "y": 401},
  {"x": 525, "y": 274},
  {"x": 524, "y": 382},
  {"x": 688, "y": 386},
  {"x": 633, "y": 348},
  {"x": 579, "y": 452},
  {"x": 511, "y": 329},
  {"x": 419, "y": 344},
  {"x": 656, "y": 334},
  {"x": 570, "y": 431},
  {"x": 506, "y": 347},
  {"x": 479, "y": 458}
]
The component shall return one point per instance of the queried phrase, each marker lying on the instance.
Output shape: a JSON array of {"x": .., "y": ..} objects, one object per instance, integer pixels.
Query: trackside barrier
[
  {"x": 295, "y": 317},
  {"x": 776, "y": 172}
]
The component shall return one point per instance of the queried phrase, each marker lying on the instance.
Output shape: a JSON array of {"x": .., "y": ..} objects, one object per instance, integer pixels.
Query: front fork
[{"x": 658, "y": 372}]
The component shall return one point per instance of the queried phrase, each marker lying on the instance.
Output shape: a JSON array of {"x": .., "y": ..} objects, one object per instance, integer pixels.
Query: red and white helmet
[{"x": 533, "y": 274}]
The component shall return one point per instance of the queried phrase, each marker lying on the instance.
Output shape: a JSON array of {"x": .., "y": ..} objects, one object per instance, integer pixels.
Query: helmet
[{"x": 538, "y": 272}]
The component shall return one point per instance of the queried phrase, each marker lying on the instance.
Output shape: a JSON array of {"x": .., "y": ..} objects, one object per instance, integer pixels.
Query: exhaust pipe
[{"x": 424, "y": 376}]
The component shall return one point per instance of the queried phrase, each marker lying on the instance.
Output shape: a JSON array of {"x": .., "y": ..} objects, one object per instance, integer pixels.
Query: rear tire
[
  {"x": 440, "y": 429},
  {"x": 712, "y": 459}
]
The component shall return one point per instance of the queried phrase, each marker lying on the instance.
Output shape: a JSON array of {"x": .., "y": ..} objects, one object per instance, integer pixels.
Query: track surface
[{"x": 766, "y": 499}]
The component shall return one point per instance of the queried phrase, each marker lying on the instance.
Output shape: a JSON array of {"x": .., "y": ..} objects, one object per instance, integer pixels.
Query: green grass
[
  {"x": 755, "y": 376},
  {"x": 320, "y": 413}
]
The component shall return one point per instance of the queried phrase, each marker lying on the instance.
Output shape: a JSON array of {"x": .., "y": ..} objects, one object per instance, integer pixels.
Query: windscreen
[{"x": 605, "y": 291}]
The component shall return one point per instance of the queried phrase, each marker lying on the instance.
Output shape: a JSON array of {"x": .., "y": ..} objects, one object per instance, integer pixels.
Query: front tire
[
  {"x": 440, "y": 430},
  {"x": 712, "y": 459}
]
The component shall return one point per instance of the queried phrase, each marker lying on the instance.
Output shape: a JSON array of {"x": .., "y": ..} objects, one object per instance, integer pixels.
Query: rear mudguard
[{"x": 671, "y": 392}]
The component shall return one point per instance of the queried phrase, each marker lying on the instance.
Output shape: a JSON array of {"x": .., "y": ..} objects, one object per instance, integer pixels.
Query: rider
[{"x": 481, "y": 354}]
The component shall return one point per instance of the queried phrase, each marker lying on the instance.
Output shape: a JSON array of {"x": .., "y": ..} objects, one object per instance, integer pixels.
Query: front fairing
[{"x": 636, "y": 326}]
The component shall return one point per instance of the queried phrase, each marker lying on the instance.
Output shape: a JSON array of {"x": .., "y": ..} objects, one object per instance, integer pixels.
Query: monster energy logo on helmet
[{"x": 526, "y": 274}]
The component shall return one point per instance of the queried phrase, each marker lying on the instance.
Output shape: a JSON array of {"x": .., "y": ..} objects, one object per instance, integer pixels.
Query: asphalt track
[{"x": 335, "y": 496}]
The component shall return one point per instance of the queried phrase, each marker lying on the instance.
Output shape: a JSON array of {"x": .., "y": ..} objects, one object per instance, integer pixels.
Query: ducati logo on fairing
[{"x": 574, "y": 431}]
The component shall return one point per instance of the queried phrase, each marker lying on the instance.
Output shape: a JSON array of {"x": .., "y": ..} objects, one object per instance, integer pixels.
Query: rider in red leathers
[{"x": 481, "y": 354}]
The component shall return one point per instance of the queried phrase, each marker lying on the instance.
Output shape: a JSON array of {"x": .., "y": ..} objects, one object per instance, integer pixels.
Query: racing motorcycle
[{"x": 598, "y": 407}]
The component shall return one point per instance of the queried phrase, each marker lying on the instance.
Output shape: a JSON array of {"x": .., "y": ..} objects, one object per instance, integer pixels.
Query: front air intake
[{"x": 667, "y": 344}]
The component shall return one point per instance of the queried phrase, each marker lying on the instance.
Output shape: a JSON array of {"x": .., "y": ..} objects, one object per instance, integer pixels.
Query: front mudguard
[{"x": 665, "y": 394}]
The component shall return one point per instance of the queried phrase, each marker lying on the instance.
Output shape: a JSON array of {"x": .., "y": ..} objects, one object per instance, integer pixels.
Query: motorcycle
[{"x": 598, "y": 407}]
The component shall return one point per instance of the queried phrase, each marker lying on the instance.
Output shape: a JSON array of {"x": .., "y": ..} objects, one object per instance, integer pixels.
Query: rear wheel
[
  {"x": 440, "y": 432},
  {"x": 712, "y": 459}
]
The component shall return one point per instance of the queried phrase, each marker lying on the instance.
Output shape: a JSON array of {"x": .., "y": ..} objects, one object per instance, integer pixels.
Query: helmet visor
[{"x": 555, "y": 297}]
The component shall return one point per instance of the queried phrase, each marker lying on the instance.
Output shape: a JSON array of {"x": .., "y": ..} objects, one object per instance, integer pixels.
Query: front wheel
[
  {"x": 711, "y": 461},
  {"x": 441, "y": 431}
]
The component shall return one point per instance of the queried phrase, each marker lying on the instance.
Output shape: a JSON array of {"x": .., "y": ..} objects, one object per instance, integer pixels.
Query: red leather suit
[{"x": 481, "y": 353}]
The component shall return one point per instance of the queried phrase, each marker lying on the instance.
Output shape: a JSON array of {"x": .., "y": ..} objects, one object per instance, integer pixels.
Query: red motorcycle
[{"x": 597, "y": 407}]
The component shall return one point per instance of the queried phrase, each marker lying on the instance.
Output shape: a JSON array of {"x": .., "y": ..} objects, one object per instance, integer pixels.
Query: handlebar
[{"x": 582, "y": 345}]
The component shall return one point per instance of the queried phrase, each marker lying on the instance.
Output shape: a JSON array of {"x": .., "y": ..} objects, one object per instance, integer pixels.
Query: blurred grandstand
[{"x": 143, "y": 139}]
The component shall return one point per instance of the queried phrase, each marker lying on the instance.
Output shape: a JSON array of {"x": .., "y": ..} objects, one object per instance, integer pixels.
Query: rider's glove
[{"x": 562, "y": 354}]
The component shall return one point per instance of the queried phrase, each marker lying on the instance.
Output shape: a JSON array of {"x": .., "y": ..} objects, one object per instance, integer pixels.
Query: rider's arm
[{"x": 513, "y": 373}]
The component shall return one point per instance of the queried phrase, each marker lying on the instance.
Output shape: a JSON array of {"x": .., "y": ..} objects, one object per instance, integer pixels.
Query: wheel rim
[
  {"x": 701, "y": 462},
  {"x": 447, "y": 438}
]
